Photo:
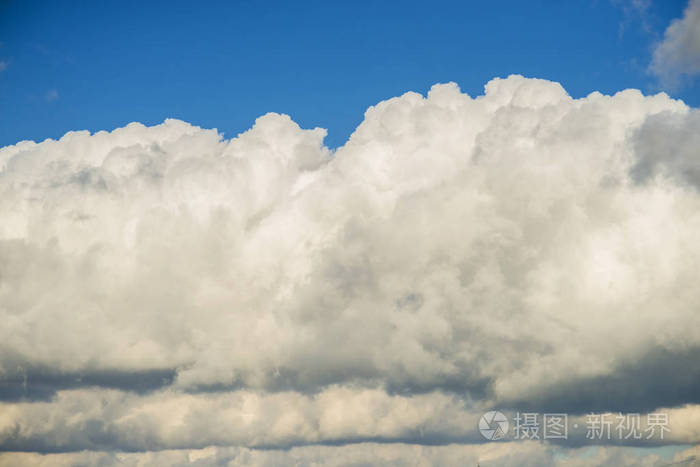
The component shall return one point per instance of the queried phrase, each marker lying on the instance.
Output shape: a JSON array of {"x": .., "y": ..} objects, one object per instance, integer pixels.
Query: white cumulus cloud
[{"x": 165, "y": 288}]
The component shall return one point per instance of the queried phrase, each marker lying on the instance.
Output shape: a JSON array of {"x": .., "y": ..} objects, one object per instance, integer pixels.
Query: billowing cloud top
[{"x": 164, "y": 288}]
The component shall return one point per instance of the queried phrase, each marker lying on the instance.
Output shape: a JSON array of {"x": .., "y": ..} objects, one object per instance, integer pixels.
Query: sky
[
  {"x": 263, "y": 234},
  {"x": 101, "y": 65}
]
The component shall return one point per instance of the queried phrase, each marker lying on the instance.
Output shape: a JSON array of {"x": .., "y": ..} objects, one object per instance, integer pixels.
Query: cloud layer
[
  {"x": 164, "y": 288},
  {"x": 527, "y": 454}
]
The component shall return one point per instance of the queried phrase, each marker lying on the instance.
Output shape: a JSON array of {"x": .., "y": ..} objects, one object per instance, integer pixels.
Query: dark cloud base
[
  {"x": 660, "y": 378},
  {"x": 41, "y": 384}
]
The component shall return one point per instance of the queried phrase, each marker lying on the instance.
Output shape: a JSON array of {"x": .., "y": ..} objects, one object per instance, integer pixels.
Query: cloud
[
  {"x": 3, "y": 65},
  {"x": 165, "y": 288},
  {"x": 677, "y": 56},
  {"x": 97, "y": 419},
  {"x": 633, "y": 11},
  {"x": 666, "y": 145},
  {"x": 52, "y": 95},
  {"x": 499, "y": 454}
]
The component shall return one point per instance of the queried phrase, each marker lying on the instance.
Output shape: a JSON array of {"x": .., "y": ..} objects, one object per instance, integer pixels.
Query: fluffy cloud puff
[{"x": 517, "y": 249}]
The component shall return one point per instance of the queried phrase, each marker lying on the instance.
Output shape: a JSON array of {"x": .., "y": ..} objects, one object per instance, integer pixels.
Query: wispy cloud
[
  {"x": 51, "y": 95},
  {"x": 636, "y": 11},
  {"x": 677, "y": 57}
]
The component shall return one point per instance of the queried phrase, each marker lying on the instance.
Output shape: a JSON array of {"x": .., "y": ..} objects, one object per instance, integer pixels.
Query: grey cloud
[
  {"x": 656, "y": 378},
  {"x": 36, "y": 384},
  {"x": 669, "y": 145}
]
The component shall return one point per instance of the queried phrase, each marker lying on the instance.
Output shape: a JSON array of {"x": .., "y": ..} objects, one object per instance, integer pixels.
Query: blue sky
[{"x": 100, "y": 65}]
